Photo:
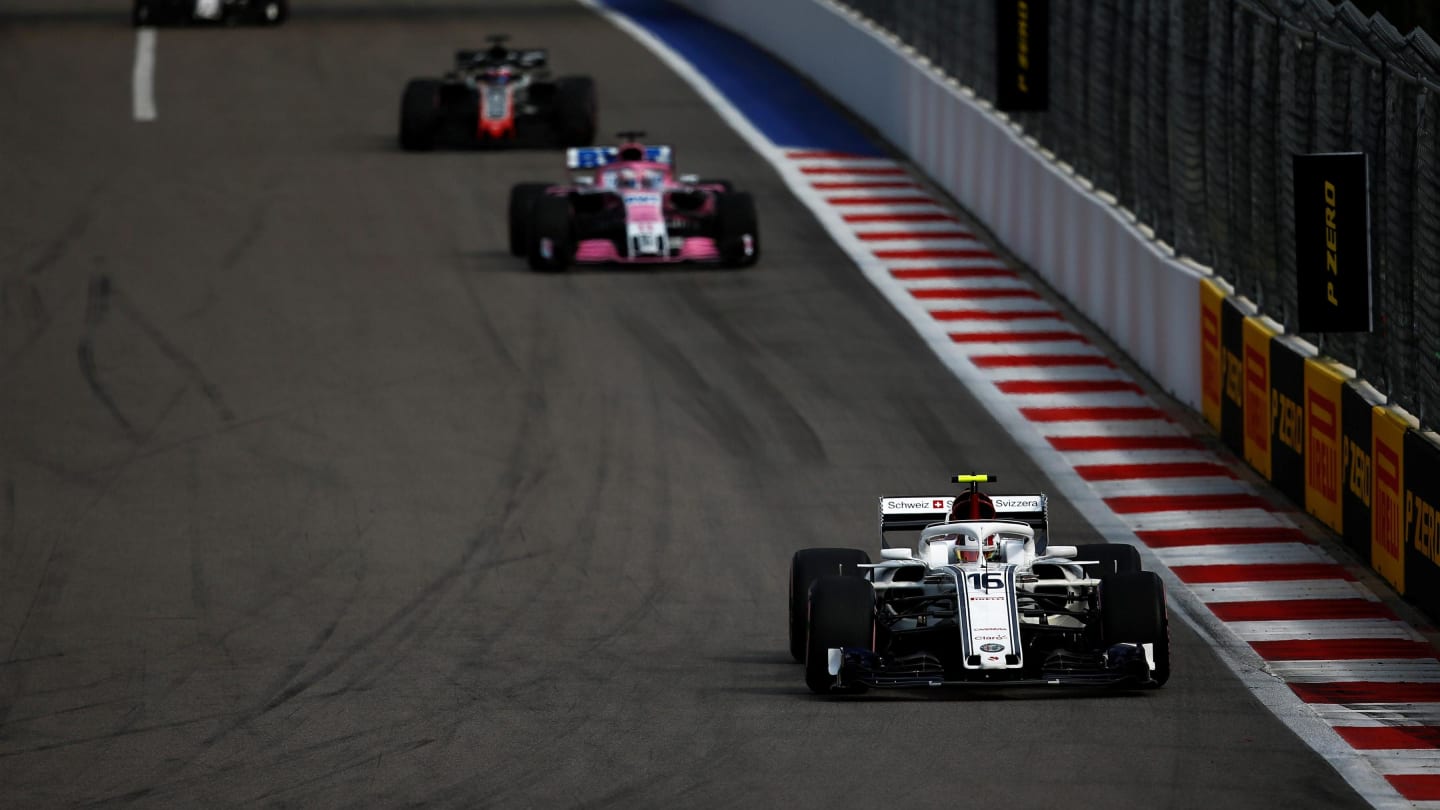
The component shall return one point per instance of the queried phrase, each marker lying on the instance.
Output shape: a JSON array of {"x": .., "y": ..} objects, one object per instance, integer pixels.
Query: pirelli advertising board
[
  {"x": 1022, "y": 54},
  {"x": 1387, "y": 500},
  {"x": 1232, "y": 353},
  {"x": 1332, "y": 242},
  {"x": 1422, "y": 520},
  {"x": 1255, "y": 341},
  {"x": 1212, "y": 360},
  {"x": 1287, "y": 418},
  {"x": 1323, "y": 456},
  {"x": 1356, "y": 479}
]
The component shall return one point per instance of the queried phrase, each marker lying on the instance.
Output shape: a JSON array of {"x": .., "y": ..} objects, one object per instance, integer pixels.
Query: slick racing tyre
[
  {"x": 1114, "y": 558},
  {"x": 271, "y": 12},
  {"x": 807, "y": 566},
  {"x": 522, "y": 207},
  {"x": 419, "y": 115},
  {"x": 1132, "y": 611},
  {"x": 841, "y": 614},
  {"x": 575, "y": 110},
  {"x": 737, "y": 231},
  {"x": 552, "y": 235}
]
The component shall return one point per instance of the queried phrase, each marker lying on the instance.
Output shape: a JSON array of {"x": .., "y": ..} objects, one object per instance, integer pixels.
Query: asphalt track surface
[{"x": 311, "y": 495}]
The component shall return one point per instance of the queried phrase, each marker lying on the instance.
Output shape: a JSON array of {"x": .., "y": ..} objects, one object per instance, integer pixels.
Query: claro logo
[
  {"x": 1421, "y": 525},
  {"x": 1332, "y": 243},
  {"x": 1322, "y": 464}
]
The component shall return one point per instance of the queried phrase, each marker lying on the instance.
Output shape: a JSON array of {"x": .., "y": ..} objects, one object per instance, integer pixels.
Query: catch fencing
[{"x": 1188, "y": 113}]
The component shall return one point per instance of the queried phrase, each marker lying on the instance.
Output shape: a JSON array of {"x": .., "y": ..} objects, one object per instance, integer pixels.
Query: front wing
[{"x": 1120, "y": 665}]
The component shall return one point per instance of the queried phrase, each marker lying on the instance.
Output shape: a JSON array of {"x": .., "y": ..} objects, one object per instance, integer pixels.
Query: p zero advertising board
[
  {"x": 1357, "y": 405},
  {"x": 1422, "y": 520},
  {"x": 1387, "y": 501},
  {"x": 1022, "y": 54},
  {"x": 1255, "y": 392},
  {"x": 1324, "y": 470},
  {"x": 1212, "y": 360},
  {"x": 1287, "y": 417},
  {"x": 1332, "y": 242}
]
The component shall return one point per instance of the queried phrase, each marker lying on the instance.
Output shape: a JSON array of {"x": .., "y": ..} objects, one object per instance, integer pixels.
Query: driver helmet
[
  {"x": 628, "y": 179},
  {"x": 654, "y": 178},
  {"x": 970, "y": 549},
  {"x": 969, "y": 506}
]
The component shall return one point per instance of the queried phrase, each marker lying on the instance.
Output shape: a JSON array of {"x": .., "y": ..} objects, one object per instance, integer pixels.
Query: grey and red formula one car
[
  {"x": 624, "y": 204},
  {"x": 498, "y": 96},
  {"x": 981, "y": 599},
  {"x": 213, "y": 12}
]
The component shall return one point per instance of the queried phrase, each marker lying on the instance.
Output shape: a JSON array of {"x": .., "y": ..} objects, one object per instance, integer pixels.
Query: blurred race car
[
  {"x": 982, "y": 599},
  {"x": 498, "y": 97},
  {"x": 200, "y": 12},
  {"x": 625, "y": 205}
]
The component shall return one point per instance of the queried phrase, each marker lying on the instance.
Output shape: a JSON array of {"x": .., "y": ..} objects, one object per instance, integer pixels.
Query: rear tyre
[
  {"x": 552, "y": 235},
  {"x": 841, "y": 614},
  {"x": 737, "y": 229},
  {"x": 419, "y": 115},
  {"x": 576, "y": 110},
  {"x": 1132, "y": 611},
  {"x": 272, "y": 12},
  {"x": 806, "y": 566},
  {"x": 1114, "y": 558},
  {"x": 522, "y": 206}
]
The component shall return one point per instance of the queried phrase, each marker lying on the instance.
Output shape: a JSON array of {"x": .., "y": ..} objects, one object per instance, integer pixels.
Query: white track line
[{"x": 142, "y": 78}]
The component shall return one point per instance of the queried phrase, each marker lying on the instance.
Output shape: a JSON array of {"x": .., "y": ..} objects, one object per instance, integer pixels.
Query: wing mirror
[
  {"x": 1061, "y": 551},
  {"x": 896, "y": 554},
  {"x": 689, "y": 179},
  {"x": 584, "y": 180}
]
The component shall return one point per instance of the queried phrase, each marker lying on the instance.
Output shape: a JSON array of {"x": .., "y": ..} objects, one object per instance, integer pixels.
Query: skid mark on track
[
  {"x": 22, "y": 304},
  {"x": 97, "y": 307},
  {"x": 799, "y": 434},
  {"x": 102, "y": 297},
  {"x": 713, "y": 408}
]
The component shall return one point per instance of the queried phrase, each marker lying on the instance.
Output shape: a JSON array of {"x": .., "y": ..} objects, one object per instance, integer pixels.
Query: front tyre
[
  {"x": 523, "y": 197},
  {"x": 841, "y": 613},
  {"x": 808, "y": 565},
  {"x": 1132, "y": 611},
  {"x": 552, "y": 235},
  {"x": 419, "y": 115},
  {"x": 737, "y": 229}
]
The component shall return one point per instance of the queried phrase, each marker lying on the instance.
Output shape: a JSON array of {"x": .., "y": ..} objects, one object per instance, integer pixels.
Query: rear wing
[
  {"x": 525, "y": 58},
  {"x": 593, "y": 157},
  {"x": 908, "y": 513}
]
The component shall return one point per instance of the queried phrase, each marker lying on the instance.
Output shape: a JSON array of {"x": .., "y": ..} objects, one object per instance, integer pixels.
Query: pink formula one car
[{"x": 625, "y": 205}]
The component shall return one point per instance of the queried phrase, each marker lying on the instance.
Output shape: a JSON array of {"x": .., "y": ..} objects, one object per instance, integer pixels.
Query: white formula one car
[{"x": 982, "y": 599}]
